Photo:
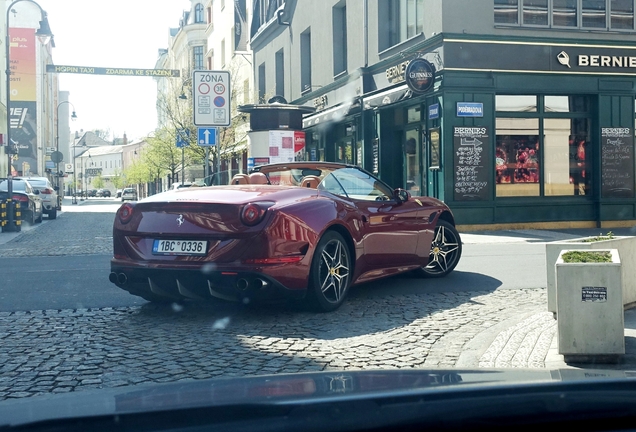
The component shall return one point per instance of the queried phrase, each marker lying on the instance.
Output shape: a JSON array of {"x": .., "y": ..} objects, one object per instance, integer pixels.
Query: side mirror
[{"x": 401, "y": 195}]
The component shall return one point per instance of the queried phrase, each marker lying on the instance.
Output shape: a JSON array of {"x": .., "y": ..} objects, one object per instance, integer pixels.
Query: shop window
[
  {"x": 516, "y": 103},
  {"x": 414, "y": 115},
  {"x": 517, "y": 157},
  {"x": 544, "y": 152},
  {"x": 565, "y": 169}
]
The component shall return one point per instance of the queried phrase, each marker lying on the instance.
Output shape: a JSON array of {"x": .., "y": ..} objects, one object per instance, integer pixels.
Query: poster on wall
[
  {"x": 472, "y": 156},
  {"x": 434, "y": 150},
  {"x": 282, "y": 146},
  {"x": 22, "y": 105},
  {"x": 617, "y": 162}
]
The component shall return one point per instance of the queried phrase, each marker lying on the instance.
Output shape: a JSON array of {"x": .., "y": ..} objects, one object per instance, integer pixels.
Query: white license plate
[{"x": 180, "y": 247}]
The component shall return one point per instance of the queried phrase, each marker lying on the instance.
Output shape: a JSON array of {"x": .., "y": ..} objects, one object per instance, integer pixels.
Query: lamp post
[
  {"x": 75, "y": 172},
  {"x": 57, "y": 144},
  {"x": 44, "y": 34}
]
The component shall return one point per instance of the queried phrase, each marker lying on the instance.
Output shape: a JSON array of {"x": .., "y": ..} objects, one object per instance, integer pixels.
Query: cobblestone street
[{"x": 68, "y": 350}]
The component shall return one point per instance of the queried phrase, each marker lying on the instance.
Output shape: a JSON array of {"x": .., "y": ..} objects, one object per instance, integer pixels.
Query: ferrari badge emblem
[{"x": 180, "y": 220}]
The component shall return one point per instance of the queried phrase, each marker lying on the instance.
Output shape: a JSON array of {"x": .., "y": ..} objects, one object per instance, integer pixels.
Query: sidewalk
[{"x": 497, "y": 341}]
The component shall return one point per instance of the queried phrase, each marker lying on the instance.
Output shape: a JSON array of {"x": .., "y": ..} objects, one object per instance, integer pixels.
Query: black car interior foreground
[{"x": 572, "y": 406}]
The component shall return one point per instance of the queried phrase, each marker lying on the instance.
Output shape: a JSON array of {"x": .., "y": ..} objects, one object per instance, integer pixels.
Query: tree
[
  {"x": 119, "y": 180},
  {"x": 98, "y": 182}
]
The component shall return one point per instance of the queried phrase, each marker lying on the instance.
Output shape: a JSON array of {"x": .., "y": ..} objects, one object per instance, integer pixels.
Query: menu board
[
  {"x": 617, "y": 162},
  {"x": 472, "y": 154}
]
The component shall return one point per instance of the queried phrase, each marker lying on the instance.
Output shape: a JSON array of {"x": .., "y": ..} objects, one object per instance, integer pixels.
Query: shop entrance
[{"x": 413, "y": 156}]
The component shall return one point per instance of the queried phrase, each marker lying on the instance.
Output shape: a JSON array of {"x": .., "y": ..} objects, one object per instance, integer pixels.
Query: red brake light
[
  {"x": 47, "y": 191},
  {"x": 125, "y": 212},
  {"x": 253, "y": 213},
  {"x": 20, "y": 198}
]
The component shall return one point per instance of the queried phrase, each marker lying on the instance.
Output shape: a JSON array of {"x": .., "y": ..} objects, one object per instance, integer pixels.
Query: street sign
[
  {"x": 57, "y": 157},
  {"x": 211, "y": 98},
  {"x": 68, "y": 168},
  {"x": 207, "y": 136},
  {"x": 183, "y": 138}
]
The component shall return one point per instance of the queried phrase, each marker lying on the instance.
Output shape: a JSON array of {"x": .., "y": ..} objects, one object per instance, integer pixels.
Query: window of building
[
  {"x": 261, "y": 83},
  {"x": 305, "y": 61},
  {"x": 198, "y": 13},
  {"x": 209, "y": 14},
  {"x": 280, "y": 73},
  {"x": 339, "y": 17},
  {"x": 198, "y": 57},
  {"x": 211, "y": 61},
  {"x": 584, "y": 14},
  {"x": 398, "y": 21},
  {"x": 542, "y": 151}
]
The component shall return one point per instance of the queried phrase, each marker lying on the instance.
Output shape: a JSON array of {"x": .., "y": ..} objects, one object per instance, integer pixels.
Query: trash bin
[{"x": 590, "y": 319}]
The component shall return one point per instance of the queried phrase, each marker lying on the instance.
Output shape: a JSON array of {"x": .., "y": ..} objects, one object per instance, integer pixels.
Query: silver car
[
  {"x": 50, "y": 200},
  {"x": 129, "y": 194}
]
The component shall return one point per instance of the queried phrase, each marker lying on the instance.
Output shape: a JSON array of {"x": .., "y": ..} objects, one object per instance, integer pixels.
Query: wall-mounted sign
[
  {"x": 93, "y": 172},
  {"x": 321, "y": 102},
  {"x": 395, "y": 74},
  {"x": 470, "y": 109},
  {"x": 88, "y": 70},
  {"x": 473, "y": 161},
  {"x": 433, "y": 111},
  {"x": 420, "y": 75}
]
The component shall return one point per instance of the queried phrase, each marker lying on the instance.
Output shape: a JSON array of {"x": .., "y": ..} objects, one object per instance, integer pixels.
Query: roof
[{"x": 104, "y": 150}]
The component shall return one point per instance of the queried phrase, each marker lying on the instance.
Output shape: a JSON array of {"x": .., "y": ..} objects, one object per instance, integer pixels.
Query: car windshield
[{"x": 373, "y": 197}]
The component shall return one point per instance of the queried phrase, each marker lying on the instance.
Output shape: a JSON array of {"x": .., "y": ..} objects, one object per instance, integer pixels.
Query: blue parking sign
[{"x": 183, "y": 137}]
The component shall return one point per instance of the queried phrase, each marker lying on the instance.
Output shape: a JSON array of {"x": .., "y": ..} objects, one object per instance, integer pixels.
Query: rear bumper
[{"x": 232, "y": 285}]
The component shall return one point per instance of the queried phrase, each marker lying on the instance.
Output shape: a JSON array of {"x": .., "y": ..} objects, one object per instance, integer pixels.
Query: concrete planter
[
  {"x": 626, "y": 249},
  {"x": 590, "y": 318}
]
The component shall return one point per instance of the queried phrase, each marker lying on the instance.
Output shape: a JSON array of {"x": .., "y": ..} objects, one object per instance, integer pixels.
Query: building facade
[{"x": 515, "y": 113}]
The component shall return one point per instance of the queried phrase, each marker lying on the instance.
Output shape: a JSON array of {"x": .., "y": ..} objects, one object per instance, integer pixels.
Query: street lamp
[
  {"x": 57, "y": 144},
  {"x": 75, "y": 173},
  {"x": 44, "y": 34}
]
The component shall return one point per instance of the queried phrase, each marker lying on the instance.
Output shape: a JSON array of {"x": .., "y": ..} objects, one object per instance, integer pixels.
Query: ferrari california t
[{"x": 306, "y": 230}]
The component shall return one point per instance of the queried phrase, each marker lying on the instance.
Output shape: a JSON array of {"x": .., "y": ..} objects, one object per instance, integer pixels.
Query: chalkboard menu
[
  {"x": 617, "y": 162},
  {"x": 473, "y": 160}
]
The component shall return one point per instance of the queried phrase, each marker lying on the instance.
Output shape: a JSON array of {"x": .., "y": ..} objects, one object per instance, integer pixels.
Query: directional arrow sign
[{"x": 207, "y": 136}]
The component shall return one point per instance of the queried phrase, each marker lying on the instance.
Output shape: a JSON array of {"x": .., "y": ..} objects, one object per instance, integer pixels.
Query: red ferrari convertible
[{"x": 303, "y": 229}]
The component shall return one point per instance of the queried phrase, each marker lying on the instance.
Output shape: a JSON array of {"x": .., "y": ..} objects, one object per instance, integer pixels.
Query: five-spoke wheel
[
  {"x": 446, "y": 249},
  {"x": 331, "y": 272}
]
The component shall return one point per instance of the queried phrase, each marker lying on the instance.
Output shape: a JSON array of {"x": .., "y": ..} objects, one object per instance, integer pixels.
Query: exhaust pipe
[
  {"x": 112, "y": 277},
  {"x": 242, "y": 284},
  {"x": 260, "y": 283},
  {"x": 122, "y": 279}
]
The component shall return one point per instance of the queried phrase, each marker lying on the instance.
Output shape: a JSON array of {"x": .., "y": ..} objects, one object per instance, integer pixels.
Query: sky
[{"x": 113, "y": 34}]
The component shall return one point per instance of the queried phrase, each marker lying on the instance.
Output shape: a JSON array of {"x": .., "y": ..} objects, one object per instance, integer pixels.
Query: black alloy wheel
[
  {"x": 446, "y": 249},
  {"x": 330, "y": 274}
]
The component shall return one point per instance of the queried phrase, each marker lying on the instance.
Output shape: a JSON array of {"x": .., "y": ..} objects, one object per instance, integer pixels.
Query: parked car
[
  {"x": 31, "y": 208},
  {"x": 302, "y": 230},
  {"x": 103, "y": 193},
  {"x": 129, "y": 194},
  {"x": 48, "y": 194},
  {"x": 118, "y": 193},
  {"x": 91, "y": 192}
]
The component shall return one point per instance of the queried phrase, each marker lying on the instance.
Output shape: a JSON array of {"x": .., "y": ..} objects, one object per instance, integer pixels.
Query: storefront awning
[
  {"x": 387, "y": 97},
  {"x": 331, "y": 114}
]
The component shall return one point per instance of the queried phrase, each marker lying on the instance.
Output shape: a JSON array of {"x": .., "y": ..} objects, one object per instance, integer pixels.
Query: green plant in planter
[
  {"x": 587, "y": 257},
  {"x": 600, "y": 237}
]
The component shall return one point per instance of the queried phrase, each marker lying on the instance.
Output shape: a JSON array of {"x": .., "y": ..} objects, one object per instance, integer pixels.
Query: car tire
[
  {"x": 330, "y": 273},
  {"x": 53, "y": 214},
  {"x": 39, "y": 219},
  {"x": 446, "y": 249}
]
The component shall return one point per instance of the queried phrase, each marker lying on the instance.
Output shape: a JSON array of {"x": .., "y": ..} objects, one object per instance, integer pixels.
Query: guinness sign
[{"x": 420, "y": 75}]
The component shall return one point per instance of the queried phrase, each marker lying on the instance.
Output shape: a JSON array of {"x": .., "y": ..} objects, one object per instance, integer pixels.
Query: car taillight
[
  {"x": 125, "y": 212},
  {"x": 253, "y": 213},
  {"x": 20, "y": 198},
  {"x": 47, "y": 191}
]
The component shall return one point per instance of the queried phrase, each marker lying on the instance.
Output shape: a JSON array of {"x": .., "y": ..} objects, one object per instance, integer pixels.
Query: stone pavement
[{"x": 46, "y": 351}]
